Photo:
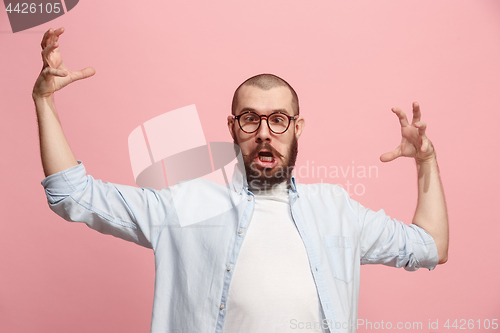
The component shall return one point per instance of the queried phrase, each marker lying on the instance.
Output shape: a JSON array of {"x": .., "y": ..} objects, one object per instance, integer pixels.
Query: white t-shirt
[{"x": 272, "y": 289}]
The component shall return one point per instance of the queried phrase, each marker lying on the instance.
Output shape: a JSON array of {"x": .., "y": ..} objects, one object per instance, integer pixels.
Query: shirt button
[
  {"x": 228, "y": 268},
  {"x": 249, "y": 198},
  {"x": 240, "y": 231},
  {"x": 221, "y": 307}
]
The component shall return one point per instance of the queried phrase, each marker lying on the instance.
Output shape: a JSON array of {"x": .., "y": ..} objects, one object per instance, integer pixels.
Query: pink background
[{"x": 350, "y": 63}]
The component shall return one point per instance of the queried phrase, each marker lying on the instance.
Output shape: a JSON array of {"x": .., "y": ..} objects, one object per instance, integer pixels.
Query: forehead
[{"x": 264, "y": 101}]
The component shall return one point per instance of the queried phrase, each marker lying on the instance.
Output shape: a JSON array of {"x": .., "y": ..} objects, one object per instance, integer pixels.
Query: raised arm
[
  {"x": 431, "y": 214},
  {"x": 55, "y": 151},
  {"x": 131, "y": 213}
]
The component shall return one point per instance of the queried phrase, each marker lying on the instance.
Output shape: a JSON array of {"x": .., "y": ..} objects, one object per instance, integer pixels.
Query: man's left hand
[{"x": 414, "y": 142}]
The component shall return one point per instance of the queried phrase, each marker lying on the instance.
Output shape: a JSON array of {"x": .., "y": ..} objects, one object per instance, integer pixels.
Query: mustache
[{"x": 266, "y": 146}]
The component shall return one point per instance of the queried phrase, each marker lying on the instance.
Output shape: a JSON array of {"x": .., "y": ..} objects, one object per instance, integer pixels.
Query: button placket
[{"x": 229, "y": 268}]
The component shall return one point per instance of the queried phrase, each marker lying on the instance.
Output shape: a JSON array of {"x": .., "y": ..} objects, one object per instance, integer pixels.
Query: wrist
[
  {"x": 43, "y": 104},
  {"x": 41, "y": 97},
  {"x": 428, "y": 159}
]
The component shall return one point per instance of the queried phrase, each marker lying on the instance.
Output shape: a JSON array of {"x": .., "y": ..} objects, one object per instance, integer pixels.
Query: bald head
[{"x": 266, "y": 82}]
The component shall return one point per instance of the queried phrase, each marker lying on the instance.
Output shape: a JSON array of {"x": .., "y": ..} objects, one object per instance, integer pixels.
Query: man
[{"x": 282, "y": 254}]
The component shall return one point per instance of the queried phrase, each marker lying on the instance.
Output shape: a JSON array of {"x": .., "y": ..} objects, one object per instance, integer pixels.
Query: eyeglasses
[{"x": 278, "y": 122}]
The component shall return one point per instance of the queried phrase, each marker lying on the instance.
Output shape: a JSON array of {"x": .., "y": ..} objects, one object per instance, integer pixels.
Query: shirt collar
[{"x": 238, "y": 182}]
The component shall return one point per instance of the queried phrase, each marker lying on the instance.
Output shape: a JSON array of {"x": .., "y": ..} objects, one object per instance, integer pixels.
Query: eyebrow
[{"x": 253, "y": 110}]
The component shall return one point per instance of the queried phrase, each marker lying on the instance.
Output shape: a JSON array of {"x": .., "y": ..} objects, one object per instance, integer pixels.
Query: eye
[
  {"x": 278, "y": 119},
  {"x": 250, "y": 117}
]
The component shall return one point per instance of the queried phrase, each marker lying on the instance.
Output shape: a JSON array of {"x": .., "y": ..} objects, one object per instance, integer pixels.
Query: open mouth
[
  {"x": 266, "y": 156},
  {"x": 266, "y": 159}
]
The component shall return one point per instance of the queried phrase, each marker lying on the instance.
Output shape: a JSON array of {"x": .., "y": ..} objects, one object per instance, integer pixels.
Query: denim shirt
[{"x": 196, "y": 229}]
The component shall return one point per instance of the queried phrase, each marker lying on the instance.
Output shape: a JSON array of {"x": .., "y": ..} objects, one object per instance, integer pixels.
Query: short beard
[{"x": 265, "y": 179}]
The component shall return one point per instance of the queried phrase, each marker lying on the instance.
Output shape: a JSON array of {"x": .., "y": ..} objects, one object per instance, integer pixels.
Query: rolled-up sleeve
[
  {"x": 391, "y": 242},
  {"x": 126, "y": 212}
]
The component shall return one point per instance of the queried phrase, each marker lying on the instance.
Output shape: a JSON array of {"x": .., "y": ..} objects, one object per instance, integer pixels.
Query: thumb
[
  {"x": 83, "y": 74},
  {"x": 390, "y": 156}
]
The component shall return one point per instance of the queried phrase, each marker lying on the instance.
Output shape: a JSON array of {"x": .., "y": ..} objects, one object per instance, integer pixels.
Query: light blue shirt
[{"x": 196, "y": 229}]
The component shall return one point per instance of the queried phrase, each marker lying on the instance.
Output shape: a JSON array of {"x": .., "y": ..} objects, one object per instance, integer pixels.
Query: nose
[{"x": 263, "y": 133}]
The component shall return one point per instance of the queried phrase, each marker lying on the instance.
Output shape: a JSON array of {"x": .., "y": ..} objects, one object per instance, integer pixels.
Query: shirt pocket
[{"x": 340, "y": 255}]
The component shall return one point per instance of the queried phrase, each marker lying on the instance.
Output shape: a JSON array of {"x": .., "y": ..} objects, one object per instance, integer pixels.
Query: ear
[
  {"x": 300, "y": 123},
  {"x": 230, "y": 126}
]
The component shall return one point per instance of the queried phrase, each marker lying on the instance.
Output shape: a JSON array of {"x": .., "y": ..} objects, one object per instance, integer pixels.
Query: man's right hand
[{"x": 54, "y": 74}]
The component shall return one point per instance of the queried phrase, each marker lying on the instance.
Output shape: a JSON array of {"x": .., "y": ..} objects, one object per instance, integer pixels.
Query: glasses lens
[
  {"x": 278, "y": 123},
  {"x": 249, "y": 122}
]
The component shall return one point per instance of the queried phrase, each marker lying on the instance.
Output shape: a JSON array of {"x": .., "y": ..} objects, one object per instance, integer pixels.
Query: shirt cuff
[
  {"x": 424, "y": 248},
  {"x": 61, "y": 184}
]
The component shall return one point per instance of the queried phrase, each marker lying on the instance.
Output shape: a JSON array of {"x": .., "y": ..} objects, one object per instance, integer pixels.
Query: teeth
[{"x": 266, "y": 158}]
